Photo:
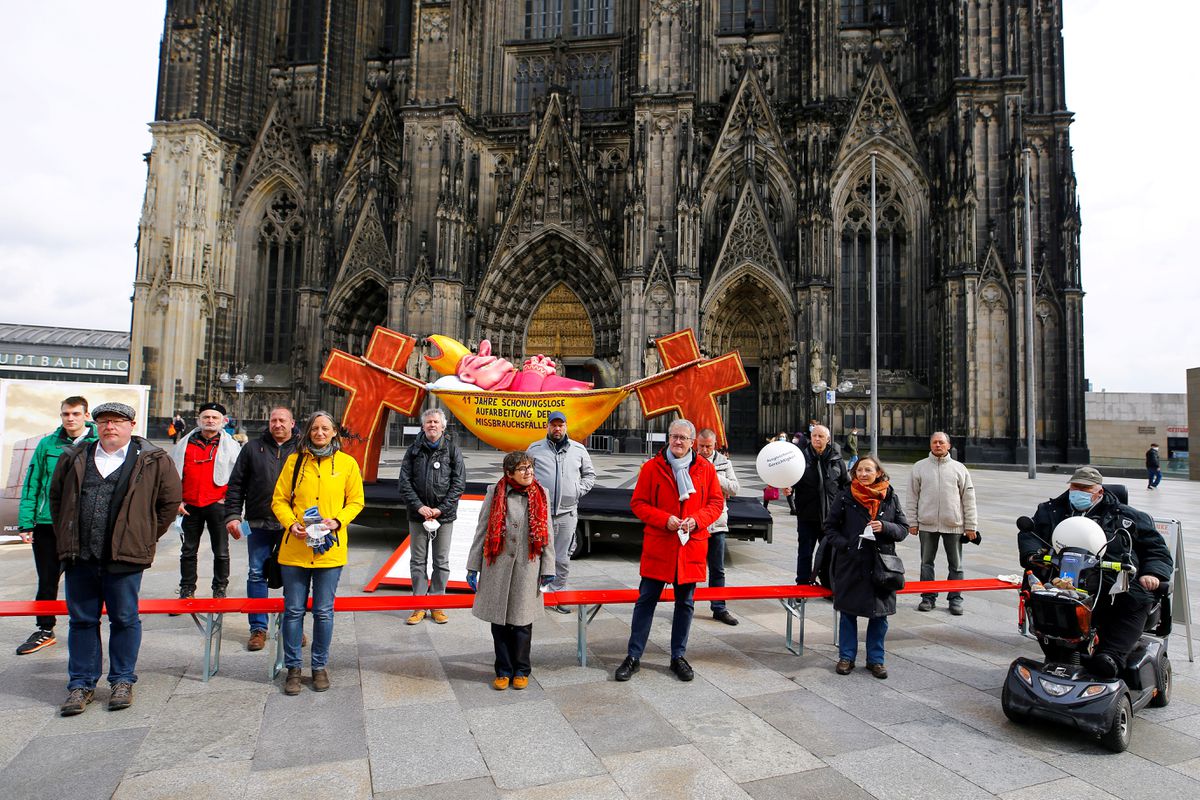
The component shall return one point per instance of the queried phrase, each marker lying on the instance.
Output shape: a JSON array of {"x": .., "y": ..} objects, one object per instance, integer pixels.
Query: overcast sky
[{"x": 79, "y": 90}]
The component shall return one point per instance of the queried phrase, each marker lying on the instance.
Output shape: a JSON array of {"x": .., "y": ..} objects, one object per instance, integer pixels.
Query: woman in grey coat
[{"x": 513, "y": 552}]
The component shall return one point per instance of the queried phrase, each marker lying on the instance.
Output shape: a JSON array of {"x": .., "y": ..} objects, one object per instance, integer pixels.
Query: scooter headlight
[
  {"x": 1026, "y": 676},
  {"x": 1093, "y": 690},
  {"x": 1055, "y": 689}
]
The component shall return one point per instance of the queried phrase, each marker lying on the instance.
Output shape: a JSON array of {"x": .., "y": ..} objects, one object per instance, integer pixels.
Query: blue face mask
[{"x": 1080, "y": 501}]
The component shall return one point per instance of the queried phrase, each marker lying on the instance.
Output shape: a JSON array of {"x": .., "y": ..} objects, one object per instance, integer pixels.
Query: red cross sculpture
[
  {"x": 376, "y": 383},
  {"x": 690, "y": 385}
]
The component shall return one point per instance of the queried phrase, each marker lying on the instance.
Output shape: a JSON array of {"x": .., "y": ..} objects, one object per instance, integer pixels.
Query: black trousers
[
  {"x": 45, "y": 559},
  {"x": 512, "y": 649},
  {"x": 213, "y": 516},
  {"x": 1120, "y": 624}
]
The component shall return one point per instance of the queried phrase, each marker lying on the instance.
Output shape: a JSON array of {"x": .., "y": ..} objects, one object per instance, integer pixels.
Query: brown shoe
[
  {"x": 501, "y": 683},
  {"x": 121, "y": 697},
  {"x": 843, "y": 667},
  {"x": 415, "y": 617},
  {"x": 257, "y": 640},
  {"x": 439, "y": 616},
  {"x": 520, "y": 682},
  {"x": 878, "y": 670},
  {"x": 291, "y": 685},
  {"x": 320, "y": 680},
  {"x": 76, "y": 702}
]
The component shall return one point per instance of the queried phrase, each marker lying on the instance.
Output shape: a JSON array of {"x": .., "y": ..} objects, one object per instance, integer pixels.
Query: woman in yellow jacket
[{"x": 326, "y": 483}]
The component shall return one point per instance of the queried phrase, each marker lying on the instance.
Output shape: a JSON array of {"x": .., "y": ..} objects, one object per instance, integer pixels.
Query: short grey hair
[
  {"x": 707, "y": 433},
  {"x": 433, "y": 412},
  {"x": 683, "y": 423},
  {"x": 942, "y": 434}
]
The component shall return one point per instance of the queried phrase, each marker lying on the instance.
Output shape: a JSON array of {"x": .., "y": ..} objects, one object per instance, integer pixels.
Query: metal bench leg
[
  {"x": 795, "y": 614},
  {"x": 276, "y": 633},
  {"x": 583, "y": 617},
  {"x": 210, "y": 629}
]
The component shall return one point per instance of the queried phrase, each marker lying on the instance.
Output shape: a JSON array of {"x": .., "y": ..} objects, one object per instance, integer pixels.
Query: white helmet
[{"x": 1080, "y": 532}]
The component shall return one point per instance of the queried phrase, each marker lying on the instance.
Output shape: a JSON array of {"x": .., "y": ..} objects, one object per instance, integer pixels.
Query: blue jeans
[
  {"x": 296, "y": 582},
  {"x": 1153, "y": 477},
  {"x": 89, "y": 586},
  {"x": 649, "y": 590},
  {"x": 258, "y": 547},
  {"x": 716, "y": 566},
  {"x": 848, "y": 637}
]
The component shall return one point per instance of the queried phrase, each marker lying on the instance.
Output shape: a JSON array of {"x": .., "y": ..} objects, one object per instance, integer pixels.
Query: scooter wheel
[
  {"x": 1010, "y": 712},
  {"x": 1163, "y": 697},
  {"x": 1117, "y": 737}
]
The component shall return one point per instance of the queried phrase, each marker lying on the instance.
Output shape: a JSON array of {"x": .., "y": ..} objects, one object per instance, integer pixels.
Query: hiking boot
[
  {"x": 439, "y": 616},
  {"x": 682, "y": 668},
  {"x": 257, "y": 640},
  {"x": 320, "y": 680},
  {"x": 416, "y": 616},
  {"x": 926, "y": 604},
  {"x": 629, "y": 666},
  {"x": 878, "y": 670},
  {"x": 520, "y": 682},
  {"x": 844, "y": 667},
  {"x": 500, "y": 683},
  {"x": 291, "y": 684},
  {"x": 121, "y": 697},
  {"x": 36, "y": 641},
  {"x": 76, "y": 702}
]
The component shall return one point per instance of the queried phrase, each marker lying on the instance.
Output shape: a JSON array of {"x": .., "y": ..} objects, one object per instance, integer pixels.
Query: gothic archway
[
  {"x": 353, "y": 318},
  {"x": 560, "y": 326}
]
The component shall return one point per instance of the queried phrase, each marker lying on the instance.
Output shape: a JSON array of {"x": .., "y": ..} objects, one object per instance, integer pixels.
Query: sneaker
[
  {"x": 560, "y": 609},
  {"x": 629, "y": 666},
  {"x": 291, "y": 684},
  {"x": 320, "y": 680},
  {"x": 956, "y": 609},
  {"x": 724, "y": 616},
  {"x": 682, "y": 668},
  {"x": 520, "y": 682},
  {"x": 844, "y": 667},
  {"x": 878, "y": 670},
  {"x": 926, "y": 604},
  {"x": 36, "y": 641},
  {"x": 257, "y": 640},
  {"x": 416, "y": 616},
  {"x": 439, "y": 616},
  {"x": 121, "y": 697},
  {"x": 76, "y": 702},
  {"x": 500, "y": 683}
]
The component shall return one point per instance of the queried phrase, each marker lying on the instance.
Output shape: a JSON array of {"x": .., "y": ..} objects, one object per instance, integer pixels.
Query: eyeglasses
[
  {"x": 113, "y": 421},
  {"x": 679, "y": 437},
  {"x": 525, "y": 468}
]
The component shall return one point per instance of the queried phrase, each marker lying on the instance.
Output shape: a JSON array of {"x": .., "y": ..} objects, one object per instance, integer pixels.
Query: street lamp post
[{"x": 238, "y": 376}]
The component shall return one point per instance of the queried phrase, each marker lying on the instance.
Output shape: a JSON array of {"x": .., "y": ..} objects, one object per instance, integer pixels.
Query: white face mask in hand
[{"x": 683, "y": 536}]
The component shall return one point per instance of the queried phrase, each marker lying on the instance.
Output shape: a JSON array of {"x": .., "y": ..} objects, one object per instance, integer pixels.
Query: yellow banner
[{"x": 514, "y": 420}]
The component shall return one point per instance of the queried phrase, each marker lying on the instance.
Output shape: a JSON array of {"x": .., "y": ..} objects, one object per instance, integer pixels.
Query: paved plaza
[{"x": 411, "y": 713}]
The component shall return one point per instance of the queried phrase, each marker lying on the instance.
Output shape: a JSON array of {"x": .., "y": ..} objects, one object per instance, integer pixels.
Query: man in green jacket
[{"x": 33, "y": 519}]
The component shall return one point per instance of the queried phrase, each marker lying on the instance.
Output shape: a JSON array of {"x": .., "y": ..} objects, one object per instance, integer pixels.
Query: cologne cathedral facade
[{"x": 578, "y": 177}]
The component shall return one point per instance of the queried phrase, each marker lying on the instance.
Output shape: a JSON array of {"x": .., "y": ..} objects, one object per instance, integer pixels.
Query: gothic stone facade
[{"x": 577, "y": 177}]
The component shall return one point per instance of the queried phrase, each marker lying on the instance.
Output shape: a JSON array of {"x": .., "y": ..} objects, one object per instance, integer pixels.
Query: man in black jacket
[
  {"x": 251, "y": 486},
  {"x": 824, "y": 476},
  {"x": 1153, "y": 468},
  {"x": 432, "y": 478},
  {"x": 1132, "y": 538}
]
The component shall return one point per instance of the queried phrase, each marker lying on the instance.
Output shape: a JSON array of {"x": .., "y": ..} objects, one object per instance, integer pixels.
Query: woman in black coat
[{"x": 869, "y": 504}]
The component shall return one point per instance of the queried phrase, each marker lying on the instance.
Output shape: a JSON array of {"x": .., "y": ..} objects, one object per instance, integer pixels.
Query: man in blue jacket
[{"x": 33, "y": 520}]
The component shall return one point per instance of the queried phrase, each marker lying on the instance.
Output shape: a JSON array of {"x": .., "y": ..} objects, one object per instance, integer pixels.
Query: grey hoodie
[{"x": 566, "y": 474}]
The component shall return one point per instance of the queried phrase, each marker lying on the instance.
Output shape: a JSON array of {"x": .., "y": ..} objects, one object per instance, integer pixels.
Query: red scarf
[
  {"x": 869, "y": 497},
  {"x": 539, "y": 532}
]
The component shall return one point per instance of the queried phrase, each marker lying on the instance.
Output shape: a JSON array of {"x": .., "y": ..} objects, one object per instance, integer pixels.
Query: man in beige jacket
[{"x": 941, "y": 507}]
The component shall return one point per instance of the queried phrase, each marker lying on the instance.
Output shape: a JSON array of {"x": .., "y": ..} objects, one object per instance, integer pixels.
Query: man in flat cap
[
  {"x": 204, "y": 460},
  {"x": 565, "y": 469},
  {"x": 1132, "y": 538},
  {"x": 111, "y": 501}
]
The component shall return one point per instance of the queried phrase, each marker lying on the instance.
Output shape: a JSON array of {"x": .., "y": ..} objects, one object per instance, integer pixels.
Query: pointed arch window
[
  {"x": 305, "y": 20},
  {"x": 280, "y": 261},
  {"x": 869, "y": 12},
  {"x": 734, "y": 14},
  {"x": 854, "y": 291},
  {"x": 397, "y": 27},
  {"x": 545, "y": 19}
]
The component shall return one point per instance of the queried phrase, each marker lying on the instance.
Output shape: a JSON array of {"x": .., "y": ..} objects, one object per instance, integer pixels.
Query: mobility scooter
[{"x": 1059, "y": 594}]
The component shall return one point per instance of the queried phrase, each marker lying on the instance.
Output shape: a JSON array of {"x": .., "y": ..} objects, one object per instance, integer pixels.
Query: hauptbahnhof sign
[{"x": 73, "y": 354}]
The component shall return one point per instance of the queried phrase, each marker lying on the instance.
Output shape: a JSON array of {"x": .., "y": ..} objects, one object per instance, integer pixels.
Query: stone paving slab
[
  {"x": 231, "y": 781},
  {"x": 671, "y": 773},
  {"x": 421, "y": 745},
  {"x": 610, "y": 719},
  {"x": 897, "y": 772},
  {"x": 468, "y": 789},
  {"x": 98, "y": 761},
  {"x": 530, "y": 744},
  {"x": 820, "y": 726},
  {"x": 193, "y": 729},
  {"x": 1057, "y": 790},
  {"x": 1127, "y": 775},
  {"x": 817, "y": 784},
  {"x": 334, "y": 716},
  {"x": 745, "y": 747},
  {"x": 20, "y": 726}
]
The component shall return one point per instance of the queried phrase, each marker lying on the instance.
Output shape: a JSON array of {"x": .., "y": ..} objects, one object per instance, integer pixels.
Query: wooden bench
[{"x": 208, "y": 614}]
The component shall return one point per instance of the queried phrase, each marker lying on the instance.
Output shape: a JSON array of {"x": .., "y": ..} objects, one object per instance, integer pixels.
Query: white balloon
[{"x": 780, "y": 464}]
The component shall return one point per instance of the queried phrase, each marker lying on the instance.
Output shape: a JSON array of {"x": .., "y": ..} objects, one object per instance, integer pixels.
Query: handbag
[
  {"x": 271, "y": 570},
  {"x": 770, "y": 493},
  {"x": 888, "y": 572}
]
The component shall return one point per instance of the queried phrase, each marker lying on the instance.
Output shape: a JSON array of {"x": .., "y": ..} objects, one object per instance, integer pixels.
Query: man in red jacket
[{"x": 677, "y": 496}]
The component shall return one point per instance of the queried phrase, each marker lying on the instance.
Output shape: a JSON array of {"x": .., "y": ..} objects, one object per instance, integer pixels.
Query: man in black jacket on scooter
[{"x": 1132, "y": 538}]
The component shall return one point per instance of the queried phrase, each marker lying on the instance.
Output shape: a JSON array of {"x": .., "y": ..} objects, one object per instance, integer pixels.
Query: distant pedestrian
[
  {"x": 175, "y": 429},
  {"x": 1153, "y": 468},
  {"x": 851, "y": 454}
]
